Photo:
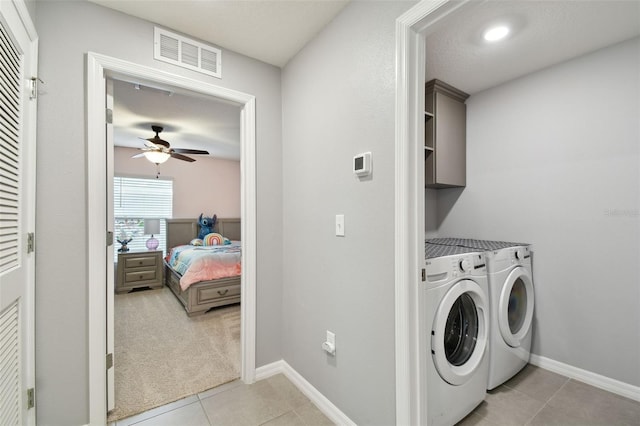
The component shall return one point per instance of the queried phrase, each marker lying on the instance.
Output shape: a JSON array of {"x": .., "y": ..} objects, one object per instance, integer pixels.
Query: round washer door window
[
  {"x": 515, "y": 308},
  {"x": 459, "y": 334},
  {"x": 461, "y": 330}
]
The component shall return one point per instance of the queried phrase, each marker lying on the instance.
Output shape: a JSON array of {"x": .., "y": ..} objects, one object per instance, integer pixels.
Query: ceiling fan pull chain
[{"x": 157, "y": 171}]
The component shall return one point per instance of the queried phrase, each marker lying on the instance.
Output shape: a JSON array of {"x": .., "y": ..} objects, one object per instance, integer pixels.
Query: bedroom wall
[
  {"x": 338, "y": 101},
  {"x": 209, "y": 185},
  {"x": 68, "y": 30},
  {"x": 553, "y": 159}
]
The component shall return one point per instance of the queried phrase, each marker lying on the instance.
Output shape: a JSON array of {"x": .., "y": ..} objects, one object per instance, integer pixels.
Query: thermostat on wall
[{"x": 362, "y": 164}]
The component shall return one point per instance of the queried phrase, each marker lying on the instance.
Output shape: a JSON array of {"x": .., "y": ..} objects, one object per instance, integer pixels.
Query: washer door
[
  {"x": 515, "y": 307},
  {"x": 459, "y": 334}
]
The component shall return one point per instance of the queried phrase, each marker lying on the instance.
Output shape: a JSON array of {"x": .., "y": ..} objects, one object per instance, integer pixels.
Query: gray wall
[
  {"x": 553, "y": 159},
  {"x": 338, "y": 101},
  {"x": 67, "y": 31}
]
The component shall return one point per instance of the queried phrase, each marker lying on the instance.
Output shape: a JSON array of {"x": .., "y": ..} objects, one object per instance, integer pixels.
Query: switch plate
[
  {"x": 329, "y": 346},
  {"x": 339, "y": 225},
  {"x": 331, "y": 338}
]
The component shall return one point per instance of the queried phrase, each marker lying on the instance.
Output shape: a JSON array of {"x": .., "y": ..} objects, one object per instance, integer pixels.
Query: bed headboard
[{"x": 182, "y": 231}]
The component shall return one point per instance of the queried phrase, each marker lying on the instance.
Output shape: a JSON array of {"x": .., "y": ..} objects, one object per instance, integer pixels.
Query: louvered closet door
[{"x": 17, "y": 214}]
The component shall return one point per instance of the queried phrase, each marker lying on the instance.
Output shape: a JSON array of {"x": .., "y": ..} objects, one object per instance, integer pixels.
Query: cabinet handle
[
  {"x": 140, "y": 262},
  {"x": 222, "y": 293},
  {"x": 141, "y": 276}
]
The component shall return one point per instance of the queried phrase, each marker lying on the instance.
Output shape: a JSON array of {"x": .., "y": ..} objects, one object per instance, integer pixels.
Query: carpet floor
[{"x": 161, "y": 355}]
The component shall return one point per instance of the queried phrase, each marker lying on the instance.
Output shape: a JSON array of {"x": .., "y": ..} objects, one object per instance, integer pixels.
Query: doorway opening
[
  {"x": 164, "y": 351},
  {"x": 99, "y": 69}
]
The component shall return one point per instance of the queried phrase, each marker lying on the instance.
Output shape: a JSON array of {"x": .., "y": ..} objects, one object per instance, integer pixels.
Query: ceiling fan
[{"x": 158, "y": 151}]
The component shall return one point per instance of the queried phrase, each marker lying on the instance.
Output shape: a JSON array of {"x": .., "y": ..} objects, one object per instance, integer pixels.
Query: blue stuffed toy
[{"x": 206, "y": 225}]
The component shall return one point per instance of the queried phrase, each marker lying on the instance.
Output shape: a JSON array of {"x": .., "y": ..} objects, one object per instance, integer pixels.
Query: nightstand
[{"x": 139, "y": 269}]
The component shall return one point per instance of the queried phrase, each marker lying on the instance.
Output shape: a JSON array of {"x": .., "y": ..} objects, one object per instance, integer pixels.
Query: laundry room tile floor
[
  {"x": 535, "y": 397},
  {"x": 539, "y": 397}
]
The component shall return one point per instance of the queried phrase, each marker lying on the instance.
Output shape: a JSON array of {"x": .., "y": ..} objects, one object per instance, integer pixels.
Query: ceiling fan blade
[
  {"x": 182, "y": 157},
  {"x": 189, "y": 151},
  {"x": 148, "y": 142}
]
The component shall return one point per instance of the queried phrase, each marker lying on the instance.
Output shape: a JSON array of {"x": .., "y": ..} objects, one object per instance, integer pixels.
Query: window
[{"x": 136, "y": 199}]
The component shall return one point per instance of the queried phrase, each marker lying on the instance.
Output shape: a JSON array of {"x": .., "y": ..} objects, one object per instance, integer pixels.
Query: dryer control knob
[
  {"x": 520, "y": 254},
  {"x": 465, "y": 265}
]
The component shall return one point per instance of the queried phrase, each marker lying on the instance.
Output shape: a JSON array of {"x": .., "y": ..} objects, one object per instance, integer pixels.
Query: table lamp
[{"x": 152, "y": 226}]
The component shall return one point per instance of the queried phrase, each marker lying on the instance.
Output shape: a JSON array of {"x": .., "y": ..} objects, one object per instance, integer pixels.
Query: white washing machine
[
  {"x": 454, "y": 320},
  {"x": 511, "y": 295}
]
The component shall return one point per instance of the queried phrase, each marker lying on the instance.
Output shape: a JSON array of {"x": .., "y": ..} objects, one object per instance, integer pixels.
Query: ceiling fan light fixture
[{"x": 157, "y": 157}]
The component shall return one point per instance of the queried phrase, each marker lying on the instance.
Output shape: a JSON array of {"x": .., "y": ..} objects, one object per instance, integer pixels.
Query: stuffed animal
[
  {"x": 123, "y": 244},
  {"x": 206, "y": 225}
]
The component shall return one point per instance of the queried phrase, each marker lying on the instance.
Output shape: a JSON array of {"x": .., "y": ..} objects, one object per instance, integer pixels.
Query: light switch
[
  {"x": 329, "y": 345},
  {"x": 339, "y": 225}
]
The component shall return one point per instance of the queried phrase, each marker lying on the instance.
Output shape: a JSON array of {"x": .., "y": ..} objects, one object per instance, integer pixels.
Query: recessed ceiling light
[{"x": 496, "y": 33}]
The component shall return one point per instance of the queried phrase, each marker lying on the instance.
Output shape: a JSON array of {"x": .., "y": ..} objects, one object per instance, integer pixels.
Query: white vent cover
[{"x": 184, "y": 52}]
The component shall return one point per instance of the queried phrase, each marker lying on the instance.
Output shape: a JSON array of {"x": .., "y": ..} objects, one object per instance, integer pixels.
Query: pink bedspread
[{"x": 204, "y": 263}]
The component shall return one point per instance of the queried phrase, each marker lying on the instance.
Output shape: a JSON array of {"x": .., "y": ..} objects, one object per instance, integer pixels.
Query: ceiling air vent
[{"x": 187, "y": 53}]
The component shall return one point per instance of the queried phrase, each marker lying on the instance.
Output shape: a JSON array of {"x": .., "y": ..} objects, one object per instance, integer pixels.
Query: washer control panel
[
  {"x": 520, "y": 255},
  {"x": 468, "y": 265},
  {"x": 440, "y": 270}
]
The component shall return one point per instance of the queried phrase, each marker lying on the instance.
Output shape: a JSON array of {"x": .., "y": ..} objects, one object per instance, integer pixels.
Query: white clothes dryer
[
  {"x": 511, "y": 296},
  {"x": 454, "y": 335}
]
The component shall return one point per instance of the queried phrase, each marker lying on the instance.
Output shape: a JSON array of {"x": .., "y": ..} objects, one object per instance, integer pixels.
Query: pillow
[
  {"x": 196, "y": 242},
  {"x": 213, "y": 239}
]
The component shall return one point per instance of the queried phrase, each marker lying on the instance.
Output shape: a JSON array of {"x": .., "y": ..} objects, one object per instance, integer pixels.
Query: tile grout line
[
  {"x": 205, "y": 411},
  {"x": 277, "y": 417},
  {"x": 559, "y": 389},
  {"x": 528, "y": 422},
  {"x": 546, "y": 403}
]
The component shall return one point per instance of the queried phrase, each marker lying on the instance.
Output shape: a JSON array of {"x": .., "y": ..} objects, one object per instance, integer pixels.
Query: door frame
[
  {"x": 98, "y": 68},
  {"x": 411, "y": 29}
]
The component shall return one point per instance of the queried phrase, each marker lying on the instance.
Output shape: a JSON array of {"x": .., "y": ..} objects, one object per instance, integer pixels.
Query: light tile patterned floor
[
  {"x": 539, "y": 397},
  {"x": 270, "y": 402},
  {"x": 533, "y": 397}
]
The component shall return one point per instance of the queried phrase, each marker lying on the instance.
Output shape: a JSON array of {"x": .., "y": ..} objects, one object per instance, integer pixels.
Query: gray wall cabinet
[{"x": 445, "y": 135}]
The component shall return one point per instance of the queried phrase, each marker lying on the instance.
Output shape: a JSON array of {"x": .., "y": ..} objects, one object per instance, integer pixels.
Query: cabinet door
[{"x": 450, "y": 141}]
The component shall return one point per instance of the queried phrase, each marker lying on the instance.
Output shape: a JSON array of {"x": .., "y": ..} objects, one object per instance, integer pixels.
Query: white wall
[
  {"x": 68, "y": 30},
  {"x": 208, "y": 185},
  {"x": 338, "y": 100},
  {"x": 553, "y": 160}
]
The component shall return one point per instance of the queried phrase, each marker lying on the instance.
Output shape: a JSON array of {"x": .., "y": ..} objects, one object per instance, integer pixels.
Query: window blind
[{"x": 136, "y": 199}]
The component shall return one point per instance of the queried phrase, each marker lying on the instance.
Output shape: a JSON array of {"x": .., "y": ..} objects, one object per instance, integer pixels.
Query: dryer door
[
  {"x": 459, "y": 334},
  {"x": 515, "y": 307}
]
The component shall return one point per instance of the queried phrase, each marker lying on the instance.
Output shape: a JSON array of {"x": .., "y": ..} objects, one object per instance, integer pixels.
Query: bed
[{"x": 201, "y": 296}]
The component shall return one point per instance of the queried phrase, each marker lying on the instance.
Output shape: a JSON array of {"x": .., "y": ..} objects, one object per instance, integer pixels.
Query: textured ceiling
[
  {"x": 189, "y": 121},
  {"x": 544, "y": 33},
  {"x": 272, "y": 31}
]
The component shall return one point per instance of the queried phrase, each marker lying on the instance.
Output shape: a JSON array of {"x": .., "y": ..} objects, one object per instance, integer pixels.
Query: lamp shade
[
  {"x": 151, "y": 226},
  {"x": 157, "y": 157}
]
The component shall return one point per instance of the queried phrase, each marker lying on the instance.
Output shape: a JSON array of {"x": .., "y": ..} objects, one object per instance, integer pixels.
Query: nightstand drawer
[
  {"x": 137, "y": 262},
  {"x": 135, "y": 276}
]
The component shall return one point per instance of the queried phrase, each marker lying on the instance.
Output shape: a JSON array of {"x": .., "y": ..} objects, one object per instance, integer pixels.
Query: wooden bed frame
[{"x": 202, "y": 296}]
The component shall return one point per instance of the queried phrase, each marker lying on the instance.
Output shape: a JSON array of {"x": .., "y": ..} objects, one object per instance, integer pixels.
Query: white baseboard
[
  {"x": 593, "y": 379},
  {"x": 328, "y": 409}
]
